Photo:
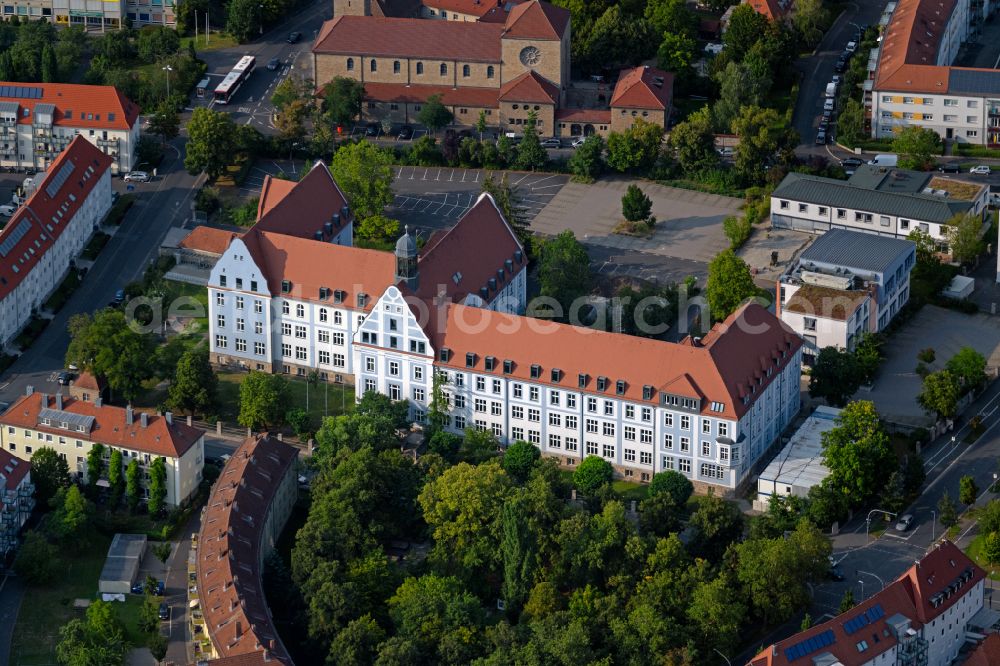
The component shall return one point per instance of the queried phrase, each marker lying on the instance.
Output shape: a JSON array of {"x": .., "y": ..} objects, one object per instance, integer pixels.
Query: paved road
[{"x": 163, "y": 203}]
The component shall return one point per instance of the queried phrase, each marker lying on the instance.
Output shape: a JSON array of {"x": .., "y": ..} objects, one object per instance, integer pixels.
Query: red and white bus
[{"x": 234, "y": 79}]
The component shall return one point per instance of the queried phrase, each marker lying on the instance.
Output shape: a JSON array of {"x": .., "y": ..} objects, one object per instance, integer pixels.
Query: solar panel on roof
[
  {"x": 14, "y": 236},
  {"x": 59, "y": 416},
  {"x": 810, "y": 645},
  {"x": 52, "y": 189}
]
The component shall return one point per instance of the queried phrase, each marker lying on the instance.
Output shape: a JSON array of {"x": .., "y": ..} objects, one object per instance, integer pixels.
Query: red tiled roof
[
  {"x": 401, "y": 93},
  {"x": 986, "y": 653},
  {"x": 717, "y": 369},
  {"x": 537, "y": 20},
  {"x": 96, "y": 107},
  {"x": 12, "y": 470},
  {"x": 310, "y": 264},
  {"x": 259, "y": 658},
  {"x": 410, "y": 38},
  {"x": 909, "y": 596},
  {"x": 87, "y": 381},
  {"x": 475, "y": 248},
  {"x": 228, "y": 568},
  {"x": 530, "y": 87},
  {"x": 208, "y": 239},
  {"x": 477, "y": 8},
  {"x": 643, "y": 87},
  {"x": 272, "y": 191},
  {"x": 909, "y": 50},
  {"x": 306, "y": 207},
  {"x": 45, "y": 217},
  {"x": 110, "y": 427},
  {"x": 584, "y": 115},
  {"x": 771, "y": 9}
]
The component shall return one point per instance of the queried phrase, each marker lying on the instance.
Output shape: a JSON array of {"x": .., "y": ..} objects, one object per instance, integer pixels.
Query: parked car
[
  {"x": 159, "y": 588},
  {"x": 827, "y": 115},
  {"x": 836, "y": 574},
  {"x": 293, "y": 37},
  {"x": 836, "y": 79},
  {"x": 136, "y": 177},
  {"x": 841, "y": 65},
  {"x": 164, "y": 611},
  {"x": 118, "y": 299},
  {"x": 7, "y": 210},
  {"x": 405, "y": 133},
  {"x": 981, "y": 170},
  {"x": 904, "y": 523},
  {"x": 725, "y": 151},
  {"x": 828, "y": 105},
  {"x": 851, "y": 163},
  {"x": 821, "y": 138},
  {"x": 64, "y": 378},
  {"x": 851, "y": 47},
  {"x": 578, "y": 141},
  {"x": 824, "y": 125},
  {"x": 950, "y": 167},
  {"x": 373, "y": 129},
  {"x": 551, "y": 143},
  {"x": 273, "y": 64},
  {"x": 137, "y": 588}
]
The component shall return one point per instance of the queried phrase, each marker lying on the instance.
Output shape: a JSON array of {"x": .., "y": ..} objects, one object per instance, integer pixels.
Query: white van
[
  {"x": 888, "y": 160},
  {"x": 831, "y": 89}
]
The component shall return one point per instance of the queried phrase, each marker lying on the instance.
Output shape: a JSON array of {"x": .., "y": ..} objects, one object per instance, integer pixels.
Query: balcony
[
  {"x": 108, "y": 142},
  {"x": 994, "y": 110}
]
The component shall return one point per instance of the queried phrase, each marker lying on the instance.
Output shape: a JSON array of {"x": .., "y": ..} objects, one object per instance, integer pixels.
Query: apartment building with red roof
[
  {"x": 17, "y": 500},
  {"x": 39, "y": 120},
  {"x": 913, "y": 81},
  {"x": 920, "y": 618},
  {"x": 72, "y": 427},
  {"x": 772, "y": 10},
  {"x": 49, "y": 230}
]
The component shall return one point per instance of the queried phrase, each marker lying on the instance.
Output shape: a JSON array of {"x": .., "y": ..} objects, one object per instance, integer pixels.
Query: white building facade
[{"x": 49, "y": 231}]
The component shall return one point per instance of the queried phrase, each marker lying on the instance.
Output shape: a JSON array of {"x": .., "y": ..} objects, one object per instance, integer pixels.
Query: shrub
[
  {"x": 207, "y": 200},
  {"x": 636, "y": 206},
  {"x": 926, "y": 355},
  {"x": 117, "y": 213},
  {"x": 737, "y": 230},
  {"x": 593, "y": 473}
]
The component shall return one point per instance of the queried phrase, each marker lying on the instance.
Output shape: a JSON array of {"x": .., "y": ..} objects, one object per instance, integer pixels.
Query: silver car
[
  {"x": 136, "y": 177},
  {"x": 904, "y": 523}
]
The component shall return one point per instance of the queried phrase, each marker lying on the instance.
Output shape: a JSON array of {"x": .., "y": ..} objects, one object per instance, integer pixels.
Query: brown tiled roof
[
  {"x": 826, "y": 302},
  {"x": 87, "y": 381},
  {"x": 410, "y": 38},
  {"x": 719, "y": 369},
  {"x": 306, "y": 207},
  {"x": 909, "y": 595},
  {"x": 475, "y": 248},
  {"x": 477, "y": 8},
  {"x": 237, "y": 617},
  {"x": 530, "y": 87},
  {"x": 208, "y": 239},
  {"x": 986, "y": 653},
  {"x": 259, "y": 658},
  {"x": 110, "y": 427},
  {"x": 44, "y": 217},
  {"x": 537, "y": 20},
  {"x": 94, "y": 107},
  {"x": 584, "y": 115},
  {"x": 12, "y": 470},
  {"x": 309, "y": 264},
  {"x": 643, "y": 87},
  {"x": 401, "y": 93},
  {"x": 271, "y": 192},
  {"x": 909, "y": 50},
  {"x": 771, "y": 9}
]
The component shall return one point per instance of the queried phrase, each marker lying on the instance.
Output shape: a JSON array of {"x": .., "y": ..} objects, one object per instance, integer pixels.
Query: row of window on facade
[
  {"x": 393, "y": 106},
  {"x": 866, "y": 218},
  {"x": 891, "y": 129},
  {"x": 442, "y": 68},
  {"x": 927, "y": 101},
  {"x": 948, "y": 118}
]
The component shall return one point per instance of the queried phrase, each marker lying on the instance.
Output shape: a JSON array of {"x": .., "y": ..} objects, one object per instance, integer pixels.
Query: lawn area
[
  {"x": 216, "y": 40},
  {"x": 627, "y": 491},
  {"x": 974, "y": 551},
  {"x": 186, "y": 308},
  {"x": 96, "y": 244},
  {"x": 63, "y": 291},
  {"x": 325, "y": 399}
]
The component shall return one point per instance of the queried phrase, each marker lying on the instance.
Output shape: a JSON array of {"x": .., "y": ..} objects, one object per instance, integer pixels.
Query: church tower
[
  {"x": 352, "y": 8},
  {"x": 406, "y": 260}
]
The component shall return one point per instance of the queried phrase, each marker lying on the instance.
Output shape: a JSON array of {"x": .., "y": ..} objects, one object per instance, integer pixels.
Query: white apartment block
[
  {"x": 708, "y": 408},
  {"x": 72, "y": 427},
  {"x": 38, "y": 121},
  {"x": 290, "y": 294},
  {"x": 876, "y": 200},
  {"x": 49, "y": 231},
  {"x": 96, "y": 15},
  {"x": 844, "y": 285}
]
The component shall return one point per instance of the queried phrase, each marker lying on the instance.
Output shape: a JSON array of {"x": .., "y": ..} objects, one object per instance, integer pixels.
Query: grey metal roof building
[
  {"x": 856, "y": 250},
  {"x": 122, "y": 564}
]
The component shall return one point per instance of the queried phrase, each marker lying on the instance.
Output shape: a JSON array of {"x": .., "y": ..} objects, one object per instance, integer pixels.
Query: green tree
[
  {"x": 132, "y": 488},
  {"x": 947, "y": 513},
  {"x": 342, "y": 99},
  {"x": 967, "y": 365},
  {"x": 916, "y": 147},
  {"x": 49, "y": 473},
  {"x": 740, "y": 87},
  {"x": 635, "y": 149},
  {"x": 478, "y": 446},
  {"x": 965, "y": 236},
  {"x": 433, "y": 114},
  {"x": 433, "y": 612},
  {"x": 968, "y": 491},
  {"x": 165, "y": 121},
  {"x": 677, "y": 53},
  {"x": 482, "y": 124},
  {"x": 162, "y": 551},
  {"x": 893, "y": 496},
  {"x": 616, "y": 40},
  {"x": 157, "y": 645},
  {"x": 211, "y": 137},
  {"x": 694, "y": 142},
  {"x": 243, "y": 19},
  {"x": 913, "y": 473},
  {"x": 737, "y": 230},
  {"x": 73, "y": 517},
  {"x": 674, "y": 484},
  {"x": 847, "y": 601},
  {"x": 671, "y": 16},
  {"x": 264, "y": 400},
  {"x": 106, "y": 345},
  {"x": 835, "y": 377},
  {"x": 718, "y": 615},
  {"x": 36, "y": 559},
  {"x": 850, "y": 122},
  {"x": 809, "y": 18},
  {"x": 991, "y": 548},
  {"x": 97, "y": 639},
  {"x": 530, "y": 154},
  {"x": 116, "y": 477},
  {"x": 759, "y": 140},
  {"x": 357, "y": 644},
  {"x": 564, "y": 269},
  {"x": 592, "y": 474},
  {"x": 744, "y": 29},
  {"x": 729, "y": 284},
  {"x": 95, "y": 465},
  {"x": 519, "y": 459},
  {"x": 50, "y": 68},
  {"x": 636, "y": 206},
  {"x": 827, "y": 504},
  {"x": 868, "y": 354},
  {"x": 857, "y": 451},
  {"x": 506, "y": 200},
  {"x": 807, "y": 622},
  {"x": 519, "y": 551},
  {"x": 939, "y": 394},
  {"x": 149, "y": 613},
  {"x": 157, "y": 485},
  {"x": 377, "y": 229},
  {"x": 587, "y": 161},
  {"x": 364, "y": 173},
  {"x": 717, "y": 523},
  {"x": 194, "y": 385}
]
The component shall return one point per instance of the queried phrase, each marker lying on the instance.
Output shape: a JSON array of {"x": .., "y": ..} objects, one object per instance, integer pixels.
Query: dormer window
[
  {"x": 556, "y": 375},
  {"x": 491, "y": 363},
  {"x": 362, "y": 300},
  {"x": 602, "y": 383},
  {"x": 536, "y": 371},
  {"x": 324, "y": 293},
  {"x": 620, "y": 387},
  {"x": 470, "y": 360},
  {"x": 581, "y": 380},
  {"x": 444, "y": 354},
  {"x": 338, "y": 296},
  {"x": 286, "y": 286},
  {"x": 647, "y": 392},
  {"x": 508, "y": 366}
]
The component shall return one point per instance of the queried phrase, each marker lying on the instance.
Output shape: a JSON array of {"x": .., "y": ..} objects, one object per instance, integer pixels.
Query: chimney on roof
[
  {"x": 59, "y": 402},
  {"x": 346, "y": 212},
  {"x": 190, "y": 420},
  {"x": 336, "y": 220},
  {"x": 129, "y": 416},
  {"x": 328, "y": 228},
  {"x": 30, "y": 390},
  {"x": 98, "y": 402},
  {"x": 144, "y": 419},
  {"x": 318, "y": 235},
  {"x": 45, "y": 399},
  {"x": 169, "y": 417}
]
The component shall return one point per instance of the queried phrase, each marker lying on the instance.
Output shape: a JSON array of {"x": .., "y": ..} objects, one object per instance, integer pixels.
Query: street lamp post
[
  {"x": 261, "y": 8},
  {"x": 723, "y": 656},
  {"x": 168, "y": 69},
  {"x": 875, "y": 576},
  {"x": 862, "y": 584},
  {"x": 933, "y": 525},
  {"x": 868, "y": 520}
]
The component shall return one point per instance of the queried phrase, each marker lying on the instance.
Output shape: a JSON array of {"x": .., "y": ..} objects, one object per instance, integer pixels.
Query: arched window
[
  {"x": 374, "y": 65},
  {"x": 489, "y": 72},
  {"x": 444, "y": 69},
  {"x": 395, "y": 67},
  {"x": 420, "y": 68},
  {"x": 350, "y": 64},
  {"x": 466, "y": 71}
]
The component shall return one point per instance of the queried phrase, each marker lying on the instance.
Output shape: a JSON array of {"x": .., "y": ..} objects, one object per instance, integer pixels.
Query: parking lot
[{"x": 289, "y": 169}]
